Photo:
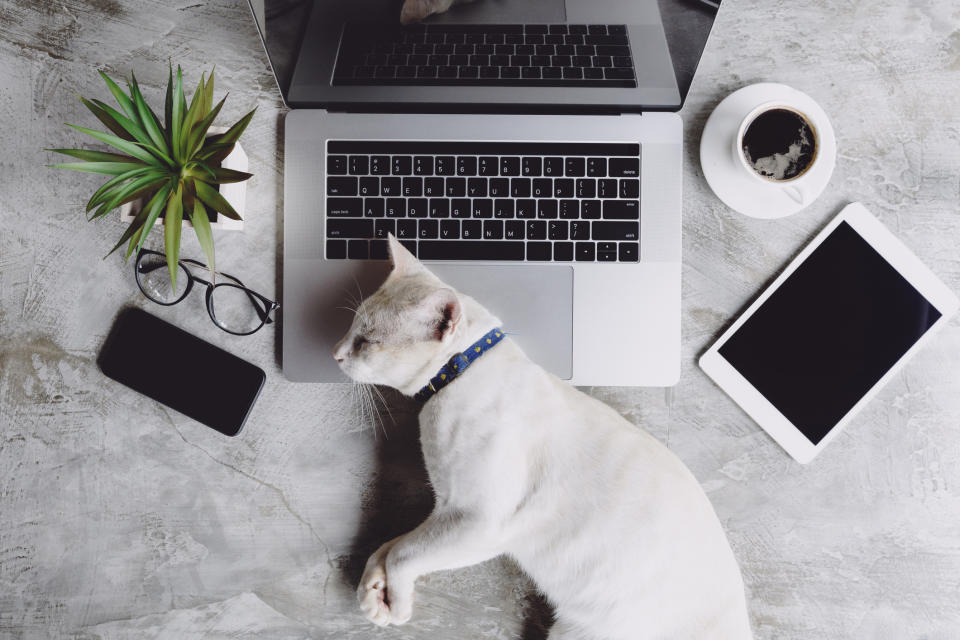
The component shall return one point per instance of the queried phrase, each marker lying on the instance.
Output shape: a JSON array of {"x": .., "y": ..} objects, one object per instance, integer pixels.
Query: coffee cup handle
[{"x": 795, "y": 192}]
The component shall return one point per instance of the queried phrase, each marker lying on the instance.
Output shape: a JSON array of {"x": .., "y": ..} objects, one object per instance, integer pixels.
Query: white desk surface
[{"x": 119, "y": 519}]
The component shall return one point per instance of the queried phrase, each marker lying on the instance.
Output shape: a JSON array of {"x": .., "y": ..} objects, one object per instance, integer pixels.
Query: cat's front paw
[{"x": 372, "y": 594}]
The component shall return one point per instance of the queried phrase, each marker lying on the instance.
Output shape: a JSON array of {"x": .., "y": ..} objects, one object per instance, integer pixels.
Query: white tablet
[{"x": 838, "y": 323}]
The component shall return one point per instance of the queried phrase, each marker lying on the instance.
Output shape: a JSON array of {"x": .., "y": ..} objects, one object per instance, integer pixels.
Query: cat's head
[{"x": 401, "y": 332}]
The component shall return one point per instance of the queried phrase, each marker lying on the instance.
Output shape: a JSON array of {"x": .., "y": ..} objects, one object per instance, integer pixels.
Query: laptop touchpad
[{"x": 534, "y": 304}]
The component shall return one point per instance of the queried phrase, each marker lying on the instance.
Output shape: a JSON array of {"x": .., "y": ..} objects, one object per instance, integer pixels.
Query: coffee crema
[{"x": 779, "y": 144}]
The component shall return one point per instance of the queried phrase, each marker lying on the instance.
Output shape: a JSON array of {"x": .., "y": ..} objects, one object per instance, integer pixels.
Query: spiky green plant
[{"x": 173, "y": 167}]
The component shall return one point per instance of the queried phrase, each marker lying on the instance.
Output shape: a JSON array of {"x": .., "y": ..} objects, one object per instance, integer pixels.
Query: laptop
[{"x": 528, "y": 151}]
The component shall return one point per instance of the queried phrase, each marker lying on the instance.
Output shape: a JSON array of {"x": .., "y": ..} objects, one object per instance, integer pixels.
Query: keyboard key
[
  {"x": 410, "y": 245},
  {"x": 378, "y": 250},
  {"x": 373, "y": 207},
  {"x": 428, "y": 229},
  {"x": 466, "y": 166},
  {"x": 615, "y": 230},
  {"x": 514, "y": 230},
  {"x": 625, "y": 167},
  {"x": 579, "y": 230},
  {"x": 618, "y": 74},
  {"x": 553, "y": 167},
  {"x": 502, "y": 208},
  {"x": 449, "y": 229},
  {"x": 621, "y": 210},
  {"x": 575, "y": 73},
  {"x": 520, "y": 187},
  {"x": 538, "y": 251},
  {"x": 630, "y": 188},
  {"x": 445, "y": 166},
  {"x": 471, "y": 229},
  {"x": 592, "y": 73},
  {"x": 542, "y": 188},
  {"x": 552, "y": 73},
  {"x": 336, "y": 165},
  {"x": 423, "y": 165},
  {"x": 557, "y": 230},
  {"x": 344, "y": 207},
  {"x": 439, "y": 208},
  {"x": 417, "y": 208},
  {"x": 584, "y": 251},
  {"x": 396, "y": 208},
  {"x": 529, "y": 72},
  {"x": 563, "y": 251},
  {"x": 433, "y": 187},
  {"x": 586, "y": 188},
  {"x": 569, "y": 209},
  {"x": 456, "y": 187},
  {"x": 390, "y": 186},
  {"x": 345, "y": 186},
  {"x": 606, "y": 188},
  {"x": 487, "y": 165},
  {"x": 406, "y": 229},
  {"x": 499, "y": 187},
  {"x": 412, "y": 187},
  {"x": 470, "y": 250},
  {"x": 575, "y": 167},
  {"x": 509, "y": 166},
  {"x": 382, "y": 227},
  {"x": 336, "y": 249},
  {"x": 357, "y": 250},
  {"x": 370, "y": 186},
  {"x": 482, "y": 208},
  {"x": 359, "y": 165},
  {"x": 563, "y": 188},
  {"x": 352, "y": 228},
  {"x": 531, "y": 166},
  {"x": 493, "y": 229},
  {"x": 460, "y": 208},
  {"x": 380, "y": 165},
  {"x": 597, "y": 167},
  {"x": 401, "y": 165},
  {"x": 590, "y": 210},
  {"x": 606, "y": 247},
  {"x": 629, "y": 252},
  {"x": 526, "y": 208},
  {"x": 606, "y": 256},
  {"x": 511, "y": 73},
  {"x": 546, "y": 209},
  {"x": 477, "y": 187},
  {"x": 537, "y": 230}
]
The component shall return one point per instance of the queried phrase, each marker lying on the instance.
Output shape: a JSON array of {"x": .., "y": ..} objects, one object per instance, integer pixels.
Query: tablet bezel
[{"x": 904, "y": 261}]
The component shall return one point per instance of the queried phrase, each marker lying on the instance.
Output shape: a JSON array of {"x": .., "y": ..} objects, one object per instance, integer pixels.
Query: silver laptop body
[{"x": 592, "y": 322}]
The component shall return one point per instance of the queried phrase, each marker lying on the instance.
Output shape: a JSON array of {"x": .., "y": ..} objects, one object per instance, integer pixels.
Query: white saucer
[{"x": 730, "y": 181}]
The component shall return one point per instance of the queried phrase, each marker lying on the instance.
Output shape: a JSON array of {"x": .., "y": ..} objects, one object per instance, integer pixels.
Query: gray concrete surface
[{"x": 120, "y": 519}]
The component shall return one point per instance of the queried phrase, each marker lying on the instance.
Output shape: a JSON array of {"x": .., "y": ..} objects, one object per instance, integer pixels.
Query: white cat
[
  {"x": 613, "y": 528},
  {"x": 416, "y": 10}
]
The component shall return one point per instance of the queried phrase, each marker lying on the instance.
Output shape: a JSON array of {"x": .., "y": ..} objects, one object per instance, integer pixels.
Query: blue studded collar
[{"x": 458, "y": 364}]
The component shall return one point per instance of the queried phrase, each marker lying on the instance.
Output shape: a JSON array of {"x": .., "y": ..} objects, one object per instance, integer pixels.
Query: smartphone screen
[{"x": 180, "y": 370}]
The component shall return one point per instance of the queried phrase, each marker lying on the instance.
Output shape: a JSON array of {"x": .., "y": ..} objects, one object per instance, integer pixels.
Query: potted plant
[{"x": 174, "y": 168}]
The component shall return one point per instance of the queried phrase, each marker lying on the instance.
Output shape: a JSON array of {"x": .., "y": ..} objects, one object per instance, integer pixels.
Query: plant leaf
[
  {"x": 215, "y": 153},
  {"x": 168, "y": 109},
  {"x": 126, "y": 193},
  {"x": 107, "y": 168},
  {"x": 120, "y": 97},
  {"x": 208, "y": 93},
  {"x": 233, "y": 133},
  {"x": 118, "y": 124},
  {"x": 137, "y": 222},
  {"x": 99, "y": 195},
  {"x": 89, "y": 155},
  {"x": 212, "y": 198},
  {"x": 225, "y": 176},
  {"x": 196, "y": 139},
  {"x": 177, "y": 114},
  {"x": 131, "y": 148},
  {"x": 201, "y": 225},
  {"x": 191, "y": 119},
  {"x": 148, "y": 117},
  {"x": 154, "y": 214},
  {"x": 172, "y": 223}
]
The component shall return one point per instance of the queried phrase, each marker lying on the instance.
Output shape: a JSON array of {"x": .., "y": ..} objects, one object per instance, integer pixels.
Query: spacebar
[{"x": 469, "y": 250}]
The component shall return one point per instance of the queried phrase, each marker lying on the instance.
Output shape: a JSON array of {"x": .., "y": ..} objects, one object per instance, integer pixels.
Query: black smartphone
[{"x": 180, "y": 370}]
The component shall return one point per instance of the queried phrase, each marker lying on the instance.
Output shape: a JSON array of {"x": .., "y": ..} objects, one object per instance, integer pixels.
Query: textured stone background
[{"x": 119, "y": 519}]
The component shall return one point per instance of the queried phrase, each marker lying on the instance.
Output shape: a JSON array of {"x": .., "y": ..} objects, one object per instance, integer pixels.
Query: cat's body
[{"x": 611, "y": 526}]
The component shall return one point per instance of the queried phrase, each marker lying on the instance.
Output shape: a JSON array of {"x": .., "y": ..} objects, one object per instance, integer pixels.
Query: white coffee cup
[{"x": 793, "y": 186}]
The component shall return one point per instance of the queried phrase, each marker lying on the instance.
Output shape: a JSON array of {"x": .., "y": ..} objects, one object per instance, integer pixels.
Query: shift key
[
  {"x": 349, "y": 228},
  {"x": 615, "y": 230}
]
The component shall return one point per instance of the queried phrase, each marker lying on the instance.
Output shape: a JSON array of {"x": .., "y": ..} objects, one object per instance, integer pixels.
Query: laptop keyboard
[
  {"x": 533, "y": 201},
  {"x": 486, "y": 55}
]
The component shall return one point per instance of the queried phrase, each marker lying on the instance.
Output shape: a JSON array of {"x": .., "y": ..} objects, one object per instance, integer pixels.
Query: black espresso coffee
[{"x": 779, "y": 144}]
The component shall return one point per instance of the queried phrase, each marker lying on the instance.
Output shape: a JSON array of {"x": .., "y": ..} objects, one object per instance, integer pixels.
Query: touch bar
[{"x": 401, "y": 147}]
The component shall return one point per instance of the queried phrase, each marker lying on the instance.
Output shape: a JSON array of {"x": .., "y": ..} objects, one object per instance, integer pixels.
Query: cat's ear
[
  {"x": 447, "y": 313},
  {"x": 404, "y": 262}
]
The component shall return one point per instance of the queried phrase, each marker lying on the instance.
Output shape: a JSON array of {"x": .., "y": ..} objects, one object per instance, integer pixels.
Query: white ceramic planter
[{"x": 235, "y": 193}]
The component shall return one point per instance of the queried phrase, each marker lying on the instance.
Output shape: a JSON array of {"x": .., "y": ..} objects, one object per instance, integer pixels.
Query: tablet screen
[{"x": 829, "y": 332}]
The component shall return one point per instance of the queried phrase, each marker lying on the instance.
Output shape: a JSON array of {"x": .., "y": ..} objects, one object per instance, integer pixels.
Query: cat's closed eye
[{"x": 361, "y": 341}]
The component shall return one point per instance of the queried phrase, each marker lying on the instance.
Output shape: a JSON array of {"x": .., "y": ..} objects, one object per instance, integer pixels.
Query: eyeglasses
[{"x": 232, "y": 307}]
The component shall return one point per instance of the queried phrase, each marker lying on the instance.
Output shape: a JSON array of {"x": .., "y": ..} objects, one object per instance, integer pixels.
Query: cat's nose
[{"x": 340, "y": 351}]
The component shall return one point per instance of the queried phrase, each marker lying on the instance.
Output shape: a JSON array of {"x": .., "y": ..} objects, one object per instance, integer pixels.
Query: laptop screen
[{"x": 500, "y": 54}]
